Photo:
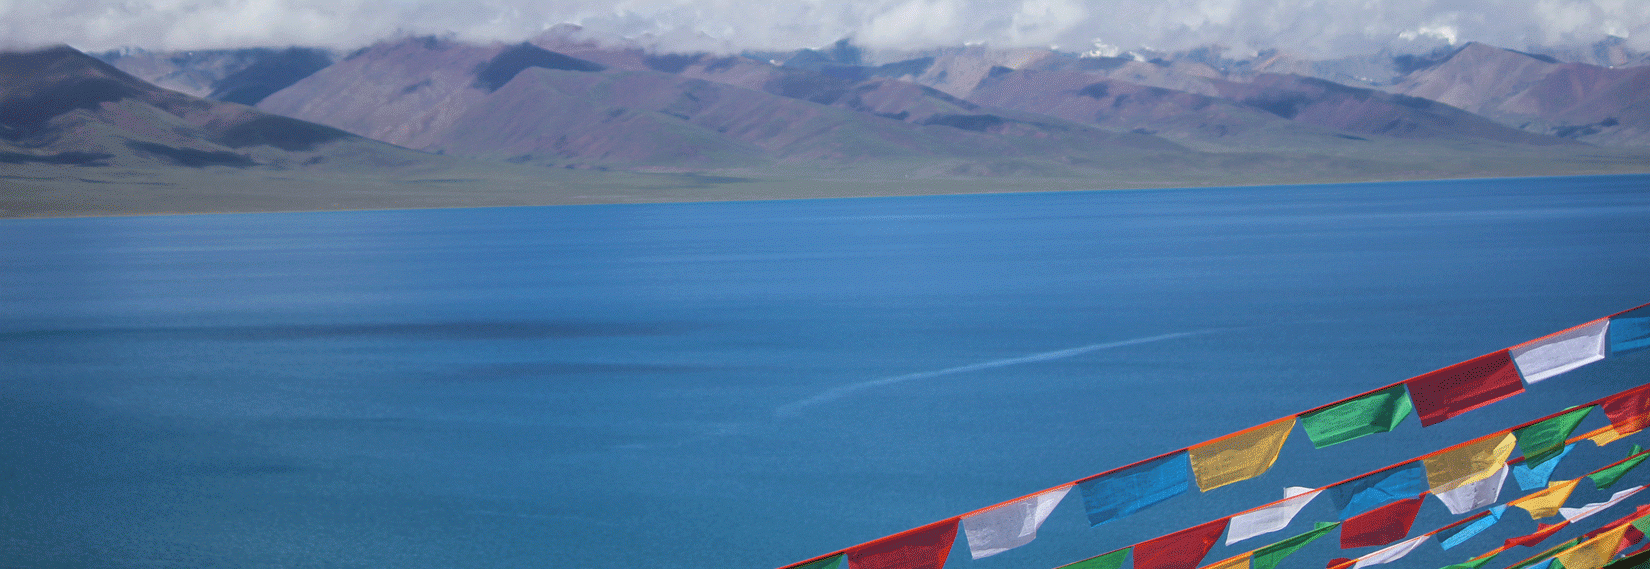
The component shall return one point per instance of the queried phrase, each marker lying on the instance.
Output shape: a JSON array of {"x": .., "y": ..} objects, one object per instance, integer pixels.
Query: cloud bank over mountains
[{"x": 1321, "y": 28}]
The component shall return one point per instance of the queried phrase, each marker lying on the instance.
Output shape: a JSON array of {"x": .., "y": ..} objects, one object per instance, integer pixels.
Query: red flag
[
  {"x": 1465, "y": 386},
  {"x": 922, "y": 548},
  {"x": 1629, "y": 410},
  {"x": 1543, "y": 532},
  {"x": 1183, "y": 549},
  {"x": 1382, "y": 525}
]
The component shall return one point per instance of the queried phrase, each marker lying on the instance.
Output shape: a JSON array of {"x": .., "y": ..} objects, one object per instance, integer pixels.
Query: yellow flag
[
  {"x": 1546, "y": 502},
  {"x": 1468, "y": 463},
  {"x": 1234, "y": 562},
  {"x": 1604, "y": 435},
  {"x": 1239, "y": 456},
  {"x": 1594, "y": 553}
]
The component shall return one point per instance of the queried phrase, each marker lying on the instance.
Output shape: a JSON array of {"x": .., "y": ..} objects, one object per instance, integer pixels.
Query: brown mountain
[{"x": 1538, "y": 93}]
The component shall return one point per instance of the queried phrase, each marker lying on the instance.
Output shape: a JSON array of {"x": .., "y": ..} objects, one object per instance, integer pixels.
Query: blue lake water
[{"x": 750, "y": 384}]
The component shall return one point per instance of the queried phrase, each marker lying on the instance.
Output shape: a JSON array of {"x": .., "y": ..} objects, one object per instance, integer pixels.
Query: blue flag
[
  {"x": 1536, "y": 478},
  {"x": 1455, "y": 535},
  {"x": 1130, "y": 489},
  {"x": 1379, "y": 489},
  {"x": 1630, "y": 332}
]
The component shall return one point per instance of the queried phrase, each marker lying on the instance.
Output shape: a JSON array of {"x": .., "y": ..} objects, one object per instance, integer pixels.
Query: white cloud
[{"x": 1312, "y": 27}]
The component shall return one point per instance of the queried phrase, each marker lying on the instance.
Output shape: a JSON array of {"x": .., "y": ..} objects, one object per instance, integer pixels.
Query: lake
[{"x": 751, "y": 384}]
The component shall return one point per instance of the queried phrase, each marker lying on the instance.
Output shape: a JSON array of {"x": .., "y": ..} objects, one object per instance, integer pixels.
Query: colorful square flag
[
  {"x": 1545, "y": 439},
  {"x": 1536, "y": 478},
  {"x": 1560, "y": 352},
  {"x": 1458, "y": 534},
  {"x": 1468, "y": 462},
  {"x": 1234, "y": 562},
  {"x": 1269, "y": 556},
  {"x": 1239, "y": 456},
  {"x": 1469, "y": 497},
  {"x": 1112, "y": 560},
  {"x": 1183, "y": 549},
  {"x": 1382, "y": 525},
  {"x": 1377, "y": 489},
  {"x": 1010, "y": 525},
  {"x": 1607, "y": 477},
  {"x": 1595, "y": 552},
  {"x": 925, "y": 547},
  {"x": 1457, "y": 389},
  {"x": 1629, "y": 411},
  {"x": 1630, "y": 331},
  {"x": 1111, "y": 495},
  {"x": 1391, "y": 553},
  {"x": 1546, "y": 502},
  {"x": 1376, "y": 412},
  {"x": 1271, "y": 518}
]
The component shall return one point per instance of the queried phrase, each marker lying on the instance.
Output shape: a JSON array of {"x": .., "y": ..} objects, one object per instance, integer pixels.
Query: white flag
[
  {"x": 1269, "y": 519},
  {"x": 1011, "y": 524},
  {"x": 1551, "y": 355},
  {"x": 1469, "y": 497},
  {"x": 1392, "y": 552},
  {"x": 1573, "y": 515}
]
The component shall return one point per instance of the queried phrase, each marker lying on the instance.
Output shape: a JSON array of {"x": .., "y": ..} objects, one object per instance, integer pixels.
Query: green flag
[
  {"x": 1377, "y": 412},
  {"x": 1474, "y": 563},
  {"x": 1113, "y": 560},
  {"x": 1606, "y": 478},
  {"x": 832, "y": 562},
  {"x": 1545, "y": 440},
  {"x": 1269, "y": 556}
]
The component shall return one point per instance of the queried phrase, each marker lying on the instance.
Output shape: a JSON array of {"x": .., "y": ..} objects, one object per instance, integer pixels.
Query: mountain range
[{"x": 434, "y": 121}]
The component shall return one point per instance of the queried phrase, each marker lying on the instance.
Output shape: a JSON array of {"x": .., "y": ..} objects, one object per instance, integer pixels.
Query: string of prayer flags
[
  {"x": 1377, "y": 412},
  {"x": 1546, "y": 439},
  {"x": 1271, "y": 518},
  {"x": 1536, "y": 478},
  {"x": 1468, "y": 462},
  {"x": 1595, "y": 552},
  {"x": 1607, "y": 477},
  {"x": 1117, "y": 493},
  {"x": 1269, "y": 556},
  {"x": 1111, "y": 560},
  {"x": 1457, "y": 389},
  {"x": 1011, "y": 524},
  {"x": 832, "y": 562},
  {"x": 1239, "y": 456},
  {"x": 1546, "y": 502},
  {"x": 1629, "y": 411},
  {"x": 1382, "y": 525},
  {"x": 1469, "y": 497},
  {"x": 1377, "y": 489},
  {"x": 925, "y": 547},
  {"x": 1456, "y": 535},
  {"x": 1240, "y": 561},
  {"x": 1630, "y": 331},
  {"x": 1391, "y": 553},
  {"x": 1560, "y": 352},
  {"x": 1183, "y": 549},
  {"x": 1573, "y": 515}
]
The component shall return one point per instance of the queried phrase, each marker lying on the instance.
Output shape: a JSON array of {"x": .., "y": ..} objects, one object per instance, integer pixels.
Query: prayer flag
[
  {"x": 1372, "y": 491},
  {"x": 1595, "y": 552},
  {"x": 1475, "y": 562},
  {"x": 1469, "y": 497},
  {"x": 1536, "y": 478},
  {"x": 1271, "y": 518},
  {"x": 1382, "y": 525},
  {"x": 1456, "y": 535},
  {"x": 1546, "y": 502},
  {"x": 1457, "y": 389},
  {"x": 1607, "y": 477},
  {"x": 1560, "y": 352},
  {"x": 1573, "y": 515},
  {"x": 1010, "y": 525},
  {"x": 1542, "y": 532},
  {"x": 1113, "y": 560},
  {"x": 925, "y": 547},
  {"x": 1545, "y": 439},
  {"x": 1234, "y": 562},
  {"x": 1183, "y": 549},
  {"x": 1629, "y": 411},
  {"x": 1469, "y": 462},
  {"x": 1239, "y": 456},
  {"x": 1630, "y": 331},
  {"x": 1269, "y": 556},
  {"x": 1111, "y": 495},
  {"x": 1377, "y": 412},
  {"x": 832, "y": 562},
  {"x": 1604, "y": 435},
  {"x": 1391, "y": 553}
]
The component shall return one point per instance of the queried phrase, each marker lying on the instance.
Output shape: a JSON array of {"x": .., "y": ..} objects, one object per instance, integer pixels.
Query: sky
[{"x": 1319, "y": 28}]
